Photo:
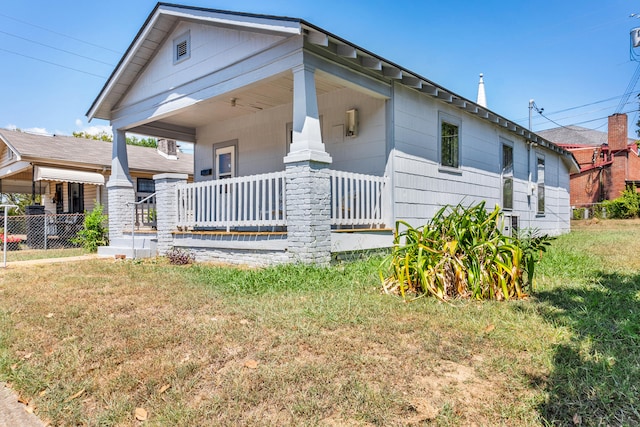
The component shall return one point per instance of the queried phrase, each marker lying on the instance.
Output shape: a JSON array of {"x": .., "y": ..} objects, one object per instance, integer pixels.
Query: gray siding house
[{"x": 308, "y": 145}]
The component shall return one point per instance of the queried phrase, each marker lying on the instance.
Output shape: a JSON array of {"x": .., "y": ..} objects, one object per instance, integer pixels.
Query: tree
[
  {"x": 131, "y": 140},
  {"x": 20, "y": 200}
]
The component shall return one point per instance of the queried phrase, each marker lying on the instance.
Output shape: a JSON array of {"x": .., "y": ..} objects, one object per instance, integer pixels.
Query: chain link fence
[{"x": 47, "y": 231}]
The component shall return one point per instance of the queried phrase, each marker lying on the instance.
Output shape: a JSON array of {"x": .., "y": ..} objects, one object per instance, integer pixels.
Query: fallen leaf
[
  {"x": 577, "y": 419},
  {"x": 164, "y": 388},
  {"x": 27, "y": 356},
  {"x": 78, "y": 394},
  {"x": 244, "y": 322},
  {"x": 251, "y": 364},
  {"x": 29, "y": 409},
  {"x": 141, "y": 414},
  {"x": 42, "y": 393},
  {"x": 489, "y": 328},
  {"x": 49, "y": 315}
]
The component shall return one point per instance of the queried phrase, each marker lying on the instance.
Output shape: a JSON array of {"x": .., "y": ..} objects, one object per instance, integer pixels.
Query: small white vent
[{"x": 181, "y": 48}]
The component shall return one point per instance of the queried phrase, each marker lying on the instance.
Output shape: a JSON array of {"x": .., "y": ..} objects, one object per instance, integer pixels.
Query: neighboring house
[
  {"x": 305, "y": 135},
  {"x": 71, "y": 173},
  {"x": 609, "y": 162}
]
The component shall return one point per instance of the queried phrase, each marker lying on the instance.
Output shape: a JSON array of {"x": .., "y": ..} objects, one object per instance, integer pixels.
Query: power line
[
  {"x": 630, "y": 86},
  {"x": 53, "y": 63},
  {"x": 582, "y": 106},
  {"x": 57, "y": 48},
  {"x": 60, "y": 34}
]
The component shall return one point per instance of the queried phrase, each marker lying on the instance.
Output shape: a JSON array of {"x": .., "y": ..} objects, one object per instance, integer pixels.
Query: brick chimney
[
  {"x": 618, "y": 132},
  {"x": 168, "y": 148},
  {"x": 619, "y": 154}
]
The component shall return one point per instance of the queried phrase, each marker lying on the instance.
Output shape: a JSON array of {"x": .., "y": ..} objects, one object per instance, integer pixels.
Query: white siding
[
  {"x": 212, "y": 49},
  {"x": 421, "y": 186},
  {"x": 262, "y": 137}
]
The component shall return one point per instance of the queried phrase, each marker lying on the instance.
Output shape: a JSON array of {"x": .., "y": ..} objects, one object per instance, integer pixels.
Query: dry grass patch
[{"x": 90, "y": 342}]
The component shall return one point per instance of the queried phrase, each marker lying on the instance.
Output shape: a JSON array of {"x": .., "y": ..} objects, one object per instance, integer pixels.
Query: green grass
[
  {"x": 330, "y": 347},
  {"x": 592, "y": 289},
  {"x": 30, "y": 254}
]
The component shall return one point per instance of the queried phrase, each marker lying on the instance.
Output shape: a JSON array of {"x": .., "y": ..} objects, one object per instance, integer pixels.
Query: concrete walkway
[{"x": 14, "y": 413}]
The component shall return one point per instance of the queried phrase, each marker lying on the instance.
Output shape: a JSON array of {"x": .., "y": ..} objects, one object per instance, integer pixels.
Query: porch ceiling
[{"x": 259, "y": 96}]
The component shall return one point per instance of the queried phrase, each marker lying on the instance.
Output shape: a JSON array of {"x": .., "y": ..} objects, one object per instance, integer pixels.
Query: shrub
[
  {"x": 94, "y": 232},
  {"x": 461, "y": 253},
  {"x": 625, "y": 206},
  {"x": 180, "y": 257}
]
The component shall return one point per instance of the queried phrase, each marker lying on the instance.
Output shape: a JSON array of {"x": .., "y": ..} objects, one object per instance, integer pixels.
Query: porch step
[{"x": 144, "y": 247}]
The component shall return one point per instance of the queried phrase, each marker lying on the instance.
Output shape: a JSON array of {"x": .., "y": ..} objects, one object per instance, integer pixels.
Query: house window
[
  {"x": 507, "y": 176},
  {"x": 182, "y": 47},
  {"x": 449, "y": 143},
  {"x": 146, "y": 185},
  {"x": 540, "y": 182},
  {"x": 76, "y": 197},
  {"x": 224, "y": 160}
]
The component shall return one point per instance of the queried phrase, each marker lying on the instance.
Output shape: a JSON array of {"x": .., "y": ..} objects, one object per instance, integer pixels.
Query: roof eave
[{"x": 288, "y": 26}]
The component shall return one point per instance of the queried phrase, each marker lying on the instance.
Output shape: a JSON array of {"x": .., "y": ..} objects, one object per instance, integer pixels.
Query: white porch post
[
  {"x": 119, "y": 187},
  {"x": 308, "y": 182}
]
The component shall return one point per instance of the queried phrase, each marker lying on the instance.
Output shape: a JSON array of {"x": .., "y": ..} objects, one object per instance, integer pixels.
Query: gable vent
[{"x": 181, "y": 48}]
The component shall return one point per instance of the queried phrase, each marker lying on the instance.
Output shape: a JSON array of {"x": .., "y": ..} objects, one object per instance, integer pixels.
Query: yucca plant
[{"x": 460, "y": 253}]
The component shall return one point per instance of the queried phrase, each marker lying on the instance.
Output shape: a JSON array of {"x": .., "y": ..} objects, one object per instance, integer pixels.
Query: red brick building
[{"x": 609, "y": 162}]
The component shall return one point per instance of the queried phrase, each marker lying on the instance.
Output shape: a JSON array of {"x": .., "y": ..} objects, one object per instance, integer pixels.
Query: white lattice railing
[
  {"x": 356, "y": 199},
  {"x": 249, "y": 201}
]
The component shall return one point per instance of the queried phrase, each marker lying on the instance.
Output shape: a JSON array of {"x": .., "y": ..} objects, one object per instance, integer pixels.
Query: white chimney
[{"x": 482, "y": 97}]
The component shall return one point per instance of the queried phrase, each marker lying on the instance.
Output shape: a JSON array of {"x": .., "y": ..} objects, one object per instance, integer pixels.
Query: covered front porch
[
  {"x": 251, "y": 220},
  {"x": 290, "y": 145}
]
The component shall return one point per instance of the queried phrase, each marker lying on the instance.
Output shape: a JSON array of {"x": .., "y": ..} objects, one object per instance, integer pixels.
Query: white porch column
[
  {"x": 307, "y": 139},
  {"x": 307, "y": 183},
  {"x": 120, "y": 189}
]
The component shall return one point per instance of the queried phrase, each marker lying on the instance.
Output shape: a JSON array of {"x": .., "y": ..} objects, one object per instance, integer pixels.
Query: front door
[
  {"x": 225, "y": 162},
  {"x": 76, "y": 197}
]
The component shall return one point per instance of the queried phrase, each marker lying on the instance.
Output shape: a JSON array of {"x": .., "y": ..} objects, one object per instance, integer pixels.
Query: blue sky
[{"x": 572, "y": 57}]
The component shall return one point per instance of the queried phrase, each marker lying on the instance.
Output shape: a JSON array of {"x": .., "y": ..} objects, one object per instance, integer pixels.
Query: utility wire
[
  {"x": 521, "y": 120},
  {"x": 630, "y": 86},
  {"x": 57, "y": 48},
  {"x": 53, "y": 63},
  {"x": 60, "y": 34}
]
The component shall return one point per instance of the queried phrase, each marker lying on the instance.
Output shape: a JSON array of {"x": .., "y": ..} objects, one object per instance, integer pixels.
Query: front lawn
[{"x": 89, "y": 342}]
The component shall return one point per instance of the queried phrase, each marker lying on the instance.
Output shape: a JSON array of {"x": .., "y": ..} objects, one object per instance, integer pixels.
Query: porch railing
[
  {"x": 145, "y": 210},
  {"x": 259, "y": 201},
  {"x": 249, "y": 201},
  {"x": 356, "y": 199}
]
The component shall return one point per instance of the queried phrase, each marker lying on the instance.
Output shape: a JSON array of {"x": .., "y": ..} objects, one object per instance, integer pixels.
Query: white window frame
[
  {"x": 506, "y": 173},
  {"x": 453, "y": 121},
  {"x": 182, "y": 38},
  {"x": 540, "y": 207}
]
